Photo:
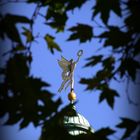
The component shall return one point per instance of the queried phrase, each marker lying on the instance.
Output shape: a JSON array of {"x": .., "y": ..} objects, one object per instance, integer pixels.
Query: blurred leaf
[
  {"x": 115, "y": 38},
  {"x": 109, "y": 61},
  {"x": 104, "y": 74},
  {"x": 103, "y": 133},
  {"x": 19, "y": 48},
  {"x": 24, "y": 123},
  {"x": 136, "y": 48},
  {"x": 104, "y": 7},
  {"x": 51, "y": 44},
  {"x": 94, "y": 60},
  {"x": 96, "y": 82},
  {"x": 17, "y": 67},
  {"x": 21, "y": 94},
  {"x": 82, "y": 32},
  {"x": 74, "y": 4},
  {"x": 91, "y": 83},
  {"x": 108, "y": 64},
  {"x": 8, "y": 26},
  {"x": 132, "y": 21},
  {"x": 129, "y": 125},
  {"x": 13, "y": 118},
  {"x": 129, "y": 65},
  {"x": 56, "y": 19},
  {"x": 17, "y": 19},
  {"x": 108, "y": 95},
  {"x": 28, "y": 34}
]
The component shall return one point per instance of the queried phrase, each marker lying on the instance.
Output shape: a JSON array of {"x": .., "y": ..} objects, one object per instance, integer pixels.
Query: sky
[{"x": 45, "y": 66}]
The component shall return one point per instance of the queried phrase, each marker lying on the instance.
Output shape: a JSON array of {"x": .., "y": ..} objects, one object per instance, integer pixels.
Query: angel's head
[{"x": 71, "y": 60}]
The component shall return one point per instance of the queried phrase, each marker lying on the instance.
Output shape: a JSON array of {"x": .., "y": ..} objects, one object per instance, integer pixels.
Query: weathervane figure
[{"x": 68, "y": 71}]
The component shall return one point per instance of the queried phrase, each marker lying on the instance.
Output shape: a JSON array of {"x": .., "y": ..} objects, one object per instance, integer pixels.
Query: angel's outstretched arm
[{"x": 79, "y": 54}]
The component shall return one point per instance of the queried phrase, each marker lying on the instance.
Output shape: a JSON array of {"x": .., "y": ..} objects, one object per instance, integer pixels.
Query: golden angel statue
[{"x": 68, "y": 71}]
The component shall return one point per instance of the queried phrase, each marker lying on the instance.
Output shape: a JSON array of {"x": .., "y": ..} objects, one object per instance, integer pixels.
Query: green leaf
[
  {"x": 8, "y": 26},
  {"x": 51, "y": 44},
  {"x": 91, "y": 83},
  {"x": 101, "y": 77},
  {"x": 16, "y": 67},
  {"x": 115, "y": 37},
  {"x": 21, "y": 94},
  {"x": 104, "y": 7},
  {"x": 108, "y": 95},
  {"x": 94, "y": 60},
  {"x": 19, "y": 48},
  {"x": 82, "y": 32},
  {"x": 42, "y": 2},
  {"x": 28, "y": 34},
  {"x": 56, "y": 19},
  {"x": 129, "y": 125}
]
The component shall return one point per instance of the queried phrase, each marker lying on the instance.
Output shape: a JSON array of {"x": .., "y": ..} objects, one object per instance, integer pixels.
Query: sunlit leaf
[
  {"x": 28, "y": 34},
  {"x": 51, "y": 44},
  {"x": 19, "y": 48}
]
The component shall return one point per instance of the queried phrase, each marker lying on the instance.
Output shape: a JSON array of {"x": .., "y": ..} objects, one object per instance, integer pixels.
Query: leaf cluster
[{"x": 23, "y": 96}]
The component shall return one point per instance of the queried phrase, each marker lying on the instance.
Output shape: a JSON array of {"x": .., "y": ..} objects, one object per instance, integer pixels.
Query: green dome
[{"x": 76, "y": 124}]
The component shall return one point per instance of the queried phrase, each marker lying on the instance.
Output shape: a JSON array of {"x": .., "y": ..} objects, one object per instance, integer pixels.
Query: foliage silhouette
[
  {"x": 82, "y": 32},
  {"x": 129, "y": 125},
  {"x": 26, "y": 99}
]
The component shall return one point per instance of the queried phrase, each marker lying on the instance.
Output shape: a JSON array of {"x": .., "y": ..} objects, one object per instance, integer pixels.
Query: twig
[
  {"x": 35, "y": 13},
  {"x": 99, "y": 25},
  {"x": 41, "y": 15}
]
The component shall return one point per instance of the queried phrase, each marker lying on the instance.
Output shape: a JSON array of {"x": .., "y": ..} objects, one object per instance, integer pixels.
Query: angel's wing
[{"x": 64, "y": 63}]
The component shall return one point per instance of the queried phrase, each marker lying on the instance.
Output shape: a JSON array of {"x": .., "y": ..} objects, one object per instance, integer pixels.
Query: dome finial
[{"x": 72, "y": 96}]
